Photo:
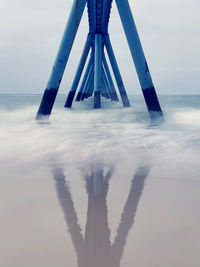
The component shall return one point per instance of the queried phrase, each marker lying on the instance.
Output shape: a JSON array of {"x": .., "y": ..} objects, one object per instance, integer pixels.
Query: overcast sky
[{"x": 30, "y": 32}]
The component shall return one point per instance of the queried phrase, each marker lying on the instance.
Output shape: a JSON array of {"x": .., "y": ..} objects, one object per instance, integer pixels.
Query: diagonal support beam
[
  {"x": 116, "y": 71},
  {"x": 89, "y": 66},
  {"x": 61, "y": 59},
  {"x": 114, "y": 96},
  {"x": 79, "y": 71},
  {"x": 90, "y": 88},
  {"x": 106, "y": 92},
  {"x": 87, "y": 84},
  {"x": 139, "y": 59}
]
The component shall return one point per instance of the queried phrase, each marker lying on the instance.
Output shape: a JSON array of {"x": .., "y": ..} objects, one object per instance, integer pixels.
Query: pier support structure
[{"x": 97, "y": 79}]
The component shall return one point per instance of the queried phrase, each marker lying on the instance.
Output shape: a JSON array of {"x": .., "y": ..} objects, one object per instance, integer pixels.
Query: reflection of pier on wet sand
[{"x": 95, "y": 249}]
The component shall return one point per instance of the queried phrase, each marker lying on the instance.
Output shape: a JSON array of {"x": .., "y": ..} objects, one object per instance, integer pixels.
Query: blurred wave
[{"x": 115, "y": 133}]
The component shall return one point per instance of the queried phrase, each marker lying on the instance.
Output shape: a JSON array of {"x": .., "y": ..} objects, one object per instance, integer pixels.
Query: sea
[{"x": 99, "y": 188}]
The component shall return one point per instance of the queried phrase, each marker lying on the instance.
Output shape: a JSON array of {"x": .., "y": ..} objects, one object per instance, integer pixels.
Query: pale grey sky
[{"x": 30, "y": 32}]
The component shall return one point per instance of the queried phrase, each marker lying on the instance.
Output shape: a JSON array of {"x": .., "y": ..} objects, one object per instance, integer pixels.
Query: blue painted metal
[
  {"x": 90, "y": 89},
  {"x": 104, "y": 91},
  {"x": 87, "y": 84},
  {"x": 97, "y": 71},
  {"x": 139, "y": 58},
  {"x": 98, "y": 79},
  {"x": 106, "y": 15},
  {"x": 79, "y": 71},
  {"x": 99, "y": 15},
  {"x": 85, "y": 88},
  {"x": 61, "y": 59},
  {"x": 114, "y": 95},
  {"x": 78, "y": 98},
  {"x": 116, "y": 71},
  {"x": 106, "y": 86}
]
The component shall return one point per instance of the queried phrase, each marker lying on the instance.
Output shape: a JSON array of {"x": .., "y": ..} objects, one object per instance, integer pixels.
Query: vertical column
[
  {"x": 61, "y": 59},
  {"x": 79, "y": 71},
  {"x": 97, "y": 70},
  {"x": 116, "y": 71},
  {"x": 139, "y": 58}
]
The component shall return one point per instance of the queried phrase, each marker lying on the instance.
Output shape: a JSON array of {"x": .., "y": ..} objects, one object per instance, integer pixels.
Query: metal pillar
[
  {"x": 104, "y": 91},
  {"x": 107, "y": 91},
  {"x": 87, "y": 85},
  {"x": 61, "y": 59},
  {"x": 114, "y": 96},
  {"x": 98, "y": 18},
  {"x": 97, "y": 70},
  {"x": 90, "y": 89},
  {"x": 139, "y": 58},
  {"x": 78, "y": 98},
  {"x": 79, "y": 71},
  {"x": 116, "y": 71},
  {"x": 110, "y": 90}
]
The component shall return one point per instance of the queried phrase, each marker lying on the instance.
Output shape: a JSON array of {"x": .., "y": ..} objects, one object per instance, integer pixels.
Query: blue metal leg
[
  {"x": 78, "y": 98},
  {"x": 79, "y": 71},
  {"x": 97, "y": 71},
  {"x": 61, "y": 59},
  {"x": 116, "y": 72},
  {"x": 106, "y": 92},
  {"x": 90, "y": 89},
  {"x": 87, "y": 84},
  {"x": 114, "y": 96},
  {"x": 139, "y": 59}
]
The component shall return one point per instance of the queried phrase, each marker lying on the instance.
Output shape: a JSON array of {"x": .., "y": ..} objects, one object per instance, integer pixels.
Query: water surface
[{"x": 99, "y": 187}]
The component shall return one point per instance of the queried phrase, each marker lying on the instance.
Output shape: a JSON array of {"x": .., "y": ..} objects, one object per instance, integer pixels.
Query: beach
[{"x": 99, "y": 187}]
